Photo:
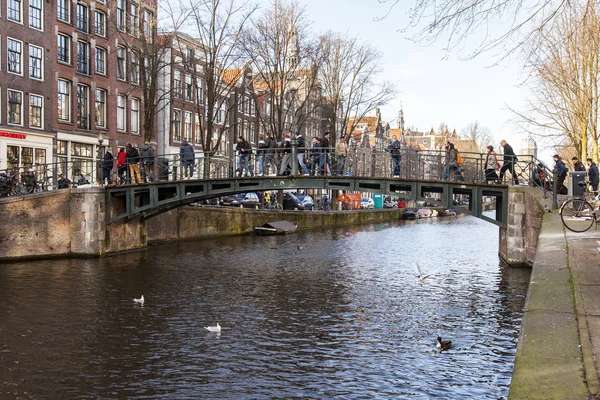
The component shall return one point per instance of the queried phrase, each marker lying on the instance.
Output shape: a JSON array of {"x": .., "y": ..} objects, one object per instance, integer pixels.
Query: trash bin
[
  {"x": 574, "y": 178},
  {"x": 378, "y": 200}
]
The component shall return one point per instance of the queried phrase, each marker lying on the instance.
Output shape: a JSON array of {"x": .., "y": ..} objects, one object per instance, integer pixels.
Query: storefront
[
  {"x": 22, "y": 149},
  {"x": 78, "y": 155}
]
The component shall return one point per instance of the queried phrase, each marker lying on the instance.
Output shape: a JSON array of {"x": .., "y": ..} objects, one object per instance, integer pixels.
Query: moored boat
[{"x": 276, "y": 228}]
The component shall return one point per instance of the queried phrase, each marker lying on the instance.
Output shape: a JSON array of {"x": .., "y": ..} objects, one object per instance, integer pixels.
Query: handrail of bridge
[{"x": 359, "y": 162}]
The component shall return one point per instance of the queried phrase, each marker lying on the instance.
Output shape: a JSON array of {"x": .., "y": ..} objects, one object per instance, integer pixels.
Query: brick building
[{"x": 89, "y": 81}]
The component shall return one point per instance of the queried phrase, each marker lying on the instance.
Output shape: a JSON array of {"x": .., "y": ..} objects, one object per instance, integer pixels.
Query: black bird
[{"x": 442, "y": 344}]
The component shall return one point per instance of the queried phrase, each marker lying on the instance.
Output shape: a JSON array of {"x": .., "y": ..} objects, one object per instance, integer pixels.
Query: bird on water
[
  {"x": 442, "y": 344},
  {"x": 140, "y": 300},
  {"x": 213, "y": 328}
]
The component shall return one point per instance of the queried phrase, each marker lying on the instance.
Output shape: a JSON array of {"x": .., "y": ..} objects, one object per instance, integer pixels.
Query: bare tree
[
  {"x": 217, "y": 27},
  {"x": 479, "y": 134},
  {"x": 282, "y": 48},
  {"x": 349, "y": 80},
  {"x": 565, "y": 68},
  {"x": 520, "y": 21}
]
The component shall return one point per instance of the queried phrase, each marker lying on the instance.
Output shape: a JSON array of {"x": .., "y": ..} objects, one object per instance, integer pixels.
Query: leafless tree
[
  {"x": 349, "y": 79},
  {"x": 565, "y": 66},
  {"x": 479, "y": 134},
  {"x": 282, "y": 47}
]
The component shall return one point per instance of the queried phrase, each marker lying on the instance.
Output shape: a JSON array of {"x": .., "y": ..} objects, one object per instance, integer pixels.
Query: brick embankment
[{"x": 560, "y": 333}]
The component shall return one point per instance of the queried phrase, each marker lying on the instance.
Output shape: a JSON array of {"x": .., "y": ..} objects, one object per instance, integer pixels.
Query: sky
[{"x": 433, "y": 87}]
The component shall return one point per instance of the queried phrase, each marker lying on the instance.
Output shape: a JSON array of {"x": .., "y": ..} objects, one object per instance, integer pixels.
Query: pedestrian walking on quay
[
  {"x": 107, "y": 167},
  {"x": 188, "y": 159},
  {"x": 147, "y": 162},
  {"x": 593, "y": 174},
  {"x": 509, "y": 162},
  {"x": 133, "y": 160},
  {"x": 122, "y": 170},
  {"x": 560, "y": 169},
  {"x": 341, "y": 151}
]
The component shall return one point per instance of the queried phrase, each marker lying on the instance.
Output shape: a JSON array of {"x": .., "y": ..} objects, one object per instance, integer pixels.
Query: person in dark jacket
[
  {"x": 394, "y": 149},
  {"x": 509, "y": 162},
  {"x": 63, "y": 183},
  {"x": 107, "y": 166},
  {"x": 286, "y": 151},
  {"x": 301, "y": 148},
  {"x": 315, "y": 156},
  {"x": 147, "y": 162},
  {"x": 578, "y": 165},
  {"x": 188, "y": 159},
  {"x": 593, "y": 174},
  {"x": 133, "y": 159},
  {"x": 244, "y": 149},
  {"x": 560, "y": 169},
  {"x": 270, "y": 155},
  {"x": 261, "y": 153},
  {"x": 122, "y": 170},
  {"x": 324, "y": 161}
]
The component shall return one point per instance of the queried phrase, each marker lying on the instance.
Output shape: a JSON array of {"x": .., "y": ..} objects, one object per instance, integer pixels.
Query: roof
[
  {"x": 231, "y": 76},
  {"x": 370, "y": 121}
]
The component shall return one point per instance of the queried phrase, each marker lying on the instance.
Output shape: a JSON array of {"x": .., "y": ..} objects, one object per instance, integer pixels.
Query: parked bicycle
[{"x": 580, "y": 213}]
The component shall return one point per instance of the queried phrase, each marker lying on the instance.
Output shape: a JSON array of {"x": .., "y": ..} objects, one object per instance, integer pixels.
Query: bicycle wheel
[
  {"x": 347, "y": 206},
  {"x": 577, "y": 215}
]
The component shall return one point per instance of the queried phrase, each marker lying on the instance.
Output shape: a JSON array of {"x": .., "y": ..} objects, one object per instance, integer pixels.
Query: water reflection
[{"x": 344, "y": 315}]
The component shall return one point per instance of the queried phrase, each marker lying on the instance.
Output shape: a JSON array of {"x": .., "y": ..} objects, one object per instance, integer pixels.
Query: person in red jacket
[{"x": 122, "y": 166}]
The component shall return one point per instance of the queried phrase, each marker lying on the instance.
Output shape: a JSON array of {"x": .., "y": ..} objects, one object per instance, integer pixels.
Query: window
[
  {"x": 121, "y": 15},
  {"x": 14, "y": 56},
  {"x": 197, "y": 138},
  {"x": 176, "y": 124},
  {"x": 177, "y": 83},
  {"x": 121, "y": 112},
  {"x": 82, "y": 17},
  {"x": 189, "y": 55},
  {"x": 36, "y": 105},
  {"x": 147, "y": 71},
  {"x": 135, "y": 68},
  {"x": 35, "y": 14},
  {"x": 99, "y": 23},
  {"x": 187, "y": 126},
  {"x": 14, "y": 10},
  {"x": 64, "y": 48},
  {"x": 15, "y": 103},
  {"x": 83, "y": 115},
  {"x": 64, "y": 100},
  {"x": 100, "y": 60},
  {"x": 121, "y": 63},
  {"x": 148, "y": 23},
  {"x": 134, "y": 14},
  {"x": 62, "y": 8},
  {"x": 189, "y": 88},
  {"x": 83, "y": 58},
  {"x": 135, "y": 115},
  {"x": 35, "y": 62},
  {"x": 101, "y": 108},
  {"x": 199, "y": 91}
]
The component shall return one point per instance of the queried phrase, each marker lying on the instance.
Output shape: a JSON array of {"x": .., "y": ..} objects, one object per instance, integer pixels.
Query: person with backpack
[
  {"x": 107, "y": 166},
  {"x": 453, "y": 164},
  {"x": 560, "y": 169},
  {"x": 301, "y": 148},
  {"x": 270, "y": 155},
  {"x": 188, "y": 158},
  {"x": 147, "y": 162},
  {"x": 509, "y": 162},
  {"x": 244, "y": 149},
  {"x": 133, "y": 160}
]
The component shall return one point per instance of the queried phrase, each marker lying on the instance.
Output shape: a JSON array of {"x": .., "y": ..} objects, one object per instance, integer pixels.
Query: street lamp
[
  {"x": 99, "y": 169},
  {"x": 294, "y": 85}
]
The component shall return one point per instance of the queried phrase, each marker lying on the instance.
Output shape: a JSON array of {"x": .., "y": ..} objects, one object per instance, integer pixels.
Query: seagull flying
[
  {"x": 140, "y": 300},
  {"x": 213, "y": 328},
  {"x": 421, "y": 277}
]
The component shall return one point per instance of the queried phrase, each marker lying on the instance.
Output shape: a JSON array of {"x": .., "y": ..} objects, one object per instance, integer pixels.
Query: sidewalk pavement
[{"x": 560, "y": 332}]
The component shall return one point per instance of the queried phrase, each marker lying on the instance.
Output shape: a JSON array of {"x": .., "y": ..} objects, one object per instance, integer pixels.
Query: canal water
[{"x": 319, "y": 314}]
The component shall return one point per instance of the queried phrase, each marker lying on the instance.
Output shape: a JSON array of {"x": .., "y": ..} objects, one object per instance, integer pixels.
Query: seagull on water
[
  {"x": 421, "y": 277},
  {"x": 213, "y": 328},
  {"x": 140, "y": 300}
]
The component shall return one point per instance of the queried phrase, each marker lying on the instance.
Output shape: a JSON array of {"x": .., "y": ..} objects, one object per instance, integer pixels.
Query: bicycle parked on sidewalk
[{"x": 580, "y": 213}]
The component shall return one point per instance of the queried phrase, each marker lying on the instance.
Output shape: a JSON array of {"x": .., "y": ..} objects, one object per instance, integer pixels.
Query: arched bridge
[{"x": 147, "y": 200}]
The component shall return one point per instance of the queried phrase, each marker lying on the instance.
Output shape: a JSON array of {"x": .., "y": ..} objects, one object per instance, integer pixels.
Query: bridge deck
[{"x": 146, "y": 200}]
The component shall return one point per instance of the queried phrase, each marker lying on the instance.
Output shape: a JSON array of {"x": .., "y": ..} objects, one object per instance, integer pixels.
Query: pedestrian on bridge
[
  {"x": 147, "y": 162},
  {"x": 341, "y": 151},
  {"x": 315, "y": 156},
  {"x": 301, "y": 148},
  {"x": 325, "y": 161},
  {"x": 491, "y": 164},
  {"x": 188, "y": 158},
  {"x": 394, "y": 150},
  {"x": 107, "y": 166},
  {"x": 245, "y": 151},
  {"x": 261, "y": 152},
  {"x": 509, "y": 162},
  {"x": 133, "y": 159},
  {"x": 286, "y": 151},
  {"x": 122, "y": 166},
  {"x": 270, "y": 155}
]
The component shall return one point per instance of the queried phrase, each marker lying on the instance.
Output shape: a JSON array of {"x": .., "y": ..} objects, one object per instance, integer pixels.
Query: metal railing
[{"x": 359, "y": 162}]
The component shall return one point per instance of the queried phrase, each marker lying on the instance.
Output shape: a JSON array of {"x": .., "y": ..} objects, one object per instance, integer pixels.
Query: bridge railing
[{"x": 359, "y": 161}]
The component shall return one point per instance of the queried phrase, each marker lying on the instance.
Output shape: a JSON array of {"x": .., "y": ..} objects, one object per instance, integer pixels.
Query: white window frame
[
  {"x": 68, "y": 102},
  {"x": 41, "y": 15},
  {"x": 20, "y": 123},
  {"x": 86, "y": 107},
  {"x": 134, "y": 58},
  {"x": 134, "y": 18},
  {"x": 85, "y": 7},
  {"x": 10, "y": 11},
  {"x": 121, "y": 115},
  {"x": 135, "y": 116},
  {"x": 100, "y": 28},
  {"x": 8, "y": 40},
  {"x": 41, "y": 98},
  {"x": 200, "y": 90},
  {"x": 147, "y": 22},
  {"x": 67, "y": 7},
  {"x": 122, "y": 51},
  {"x": 187, "y": 126},
  {"x": 41, "y": 61},
  {"x": 121, "y": 15},
  {"x": 177, "y": 128}
]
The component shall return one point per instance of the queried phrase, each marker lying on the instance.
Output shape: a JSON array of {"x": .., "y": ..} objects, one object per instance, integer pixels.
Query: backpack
[{"x": 459, "y": 159}]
